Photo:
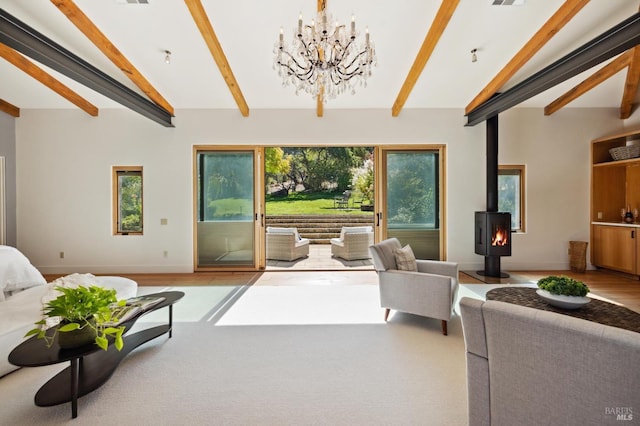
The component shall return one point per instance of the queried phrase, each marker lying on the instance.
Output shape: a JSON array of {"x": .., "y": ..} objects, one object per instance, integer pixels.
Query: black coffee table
[{"x": 90, "y": 366}]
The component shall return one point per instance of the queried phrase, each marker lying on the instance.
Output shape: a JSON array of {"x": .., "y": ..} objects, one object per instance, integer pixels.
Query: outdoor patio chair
[
  {"x": 342, "y": 201},
  {"x": 428, "y": 290},
  {"x": 353, "y": 243},
  {"x": 286, "y": 244}
]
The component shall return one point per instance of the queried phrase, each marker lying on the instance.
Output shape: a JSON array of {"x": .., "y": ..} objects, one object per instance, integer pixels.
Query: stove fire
[
  {"x": 493, "y": 234},
  {"x": 500, "y": 237}
]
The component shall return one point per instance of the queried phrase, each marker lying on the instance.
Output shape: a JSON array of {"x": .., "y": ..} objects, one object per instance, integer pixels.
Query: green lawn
[
  {"x": 304, "y": 203},
  {"x": 296, "y": 203}
]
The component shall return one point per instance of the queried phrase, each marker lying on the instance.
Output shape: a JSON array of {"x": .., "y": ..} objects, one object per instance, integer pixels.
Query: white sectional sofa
[{"x": 22, "y": 290}]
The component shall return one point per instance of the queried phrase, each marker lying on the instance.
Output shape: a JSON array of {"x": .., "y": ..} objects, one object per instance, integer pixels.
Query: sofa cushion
[
  {"x": 16, "y": 272},
  {"x": 405, "y": 259}
]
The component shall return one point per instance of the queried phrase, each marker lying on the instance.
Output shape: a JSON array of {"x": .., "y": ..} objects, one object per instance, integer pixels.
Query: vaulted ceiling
[{"x": 222, "y": 53}]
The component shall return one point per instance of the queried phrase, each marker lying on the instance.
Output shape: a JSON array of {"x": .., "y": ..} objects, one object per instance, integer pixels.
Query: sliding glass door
[
  {"x": 227, "y": 208},
  {"x": 412, "y": 198}
]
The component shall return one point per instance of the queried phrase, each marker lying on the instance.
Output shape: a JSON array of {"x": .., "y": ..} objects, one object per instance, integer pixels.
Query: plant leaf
[
  {"x": 69, "y": 327},
  {"x": 32, "y": 332},
  {"x": 102, "y": 342}
]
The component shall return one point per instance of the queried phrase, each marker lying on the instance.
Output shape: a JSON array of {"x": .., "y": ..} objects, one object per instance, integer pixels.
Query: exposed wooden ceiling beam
[
  {"x": 43, "y": 77},
  {"x": 631, "y": 85},
  {"x": 321, "y": 4},
  {"x": 206, "y": 29},
  {"x": 539, "y": 39},
  {"x": 592, "y": 81},
  {"x": 10, "y": 109},
  {"x": 428, "y": 45},
  {"x": 93, "y": 33}
]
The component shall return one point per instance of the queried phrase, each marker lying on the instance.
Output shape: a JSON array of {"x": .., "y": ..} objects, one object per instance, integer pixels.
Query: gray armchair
[{"x": 430, "y": 292}]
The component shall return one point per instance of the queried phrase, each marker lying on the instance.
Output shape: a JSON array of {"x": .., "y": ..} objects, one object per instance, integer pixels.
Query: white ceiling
[{"x": 248, "y": 29}]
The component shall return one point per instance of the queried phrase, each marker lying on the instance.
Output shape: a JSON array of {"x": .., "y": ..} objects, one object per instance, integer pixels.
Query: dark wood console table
[
  {"x": 90, "y": 366},
  {"x": 597, "y": 310}
]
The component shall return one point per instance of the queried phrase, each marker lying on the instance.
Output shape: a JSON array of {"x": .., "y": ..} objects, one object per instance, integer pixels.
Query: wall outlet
[
  {"x": 599, "y": 215},
  {"x": 165, "y": 253},
  {"x": 61, "y": 255}
]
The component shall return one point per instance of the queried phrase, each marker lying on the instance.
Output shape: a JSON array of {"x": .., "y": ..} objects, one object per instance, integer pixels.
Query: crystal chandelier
[{"x": 324, "y": 58}]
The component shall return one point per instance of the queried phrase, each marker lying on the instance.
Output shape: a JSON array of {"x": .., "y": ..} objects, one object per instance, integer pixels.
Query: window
[
  {"x": 511, "y": 194},
  {"x": 127, "y": 200},
  {"x": 413, "y": 189}
]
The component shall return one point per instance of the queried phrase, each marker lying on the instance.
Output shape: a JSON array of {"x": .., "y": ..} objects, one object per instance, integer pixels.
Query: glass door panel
[
  {"x": 226, "y": 216},
  {"x": 412, "y": 200}
]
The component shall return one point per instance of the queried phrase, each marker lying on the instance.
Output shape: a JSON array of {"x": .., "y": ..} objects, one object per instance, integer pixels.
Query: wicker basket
[
  {"x": 625, "y": 152},
  {"x": 577, "y": 255}
]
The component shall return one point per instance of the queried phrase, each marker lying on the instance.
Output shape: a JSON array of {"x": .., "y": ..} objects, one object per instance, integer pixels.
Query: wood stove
[{"x": 493, "y": 240}]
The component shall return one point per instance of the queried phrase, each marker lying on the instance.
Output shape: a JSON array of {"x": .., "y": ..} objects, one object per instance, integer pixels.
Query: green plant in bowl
[
  {"x": 563, "y": 286},
  {"x": 78, "y": 308}
]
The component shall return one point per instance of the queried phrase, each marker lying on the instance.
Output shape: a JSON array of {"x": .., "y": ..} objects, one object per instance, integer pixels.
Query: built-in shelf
[{"x": 614, "y": 186}]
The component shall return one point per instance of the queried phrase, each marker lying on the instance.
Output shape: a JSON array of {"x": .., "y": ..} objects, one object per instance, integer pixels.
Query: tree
[
  {"x": 362, "y": 180},
  {"x": 319, "y": 168},
  {"x": 277, "y": 165}
]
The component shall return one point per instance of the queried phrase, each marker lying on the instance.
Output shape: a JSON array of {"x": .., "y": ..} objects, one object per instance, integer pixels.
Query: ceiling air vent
[
  {"x": 132, "y": 1},
  {"x": 508, "y": 2}
]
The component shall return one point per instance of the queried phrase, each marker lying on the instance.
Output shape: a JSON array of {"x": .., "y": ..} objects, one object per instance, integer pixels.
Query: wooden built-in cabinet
[
  {"x": 616, "y": 247},
  {"x": 614, "y": 185}
]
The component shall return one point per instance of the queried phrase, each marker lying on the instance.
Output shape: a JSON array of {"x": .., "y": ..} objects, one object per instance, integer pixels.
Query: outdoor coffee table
[{"x": 90, "y": 366}]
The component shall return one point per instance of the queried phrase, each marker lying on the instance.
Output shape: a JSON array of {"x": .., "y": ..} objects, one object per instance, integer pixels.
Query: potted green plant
[
  {"x": 563, "y": 292},
  {"x": 83, "y": 311},
  {"x": 563, "y": 286}
]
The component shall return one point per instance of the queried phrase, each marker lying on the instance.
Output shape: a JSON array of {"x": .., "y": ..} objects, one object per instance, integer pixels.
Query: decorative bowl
[{"x": 565, "y": 302}]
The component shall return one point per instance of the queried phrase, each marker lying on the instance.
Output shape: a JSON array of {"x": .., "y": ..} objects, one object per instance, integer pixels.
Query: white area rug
[
  {"x": 402, "y": 373},
  {"x": 329, "y": 361}
]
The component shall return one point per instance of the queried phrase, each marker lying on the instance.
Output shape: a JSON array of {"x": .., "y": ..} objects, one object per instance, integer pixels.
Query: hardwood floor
[{"x": 617, "y": 287}]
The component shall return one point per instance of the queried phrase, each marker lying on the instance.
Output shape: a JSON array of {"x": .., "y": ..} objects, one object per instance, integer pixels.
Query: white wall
[{"x": 65, "y": 159}]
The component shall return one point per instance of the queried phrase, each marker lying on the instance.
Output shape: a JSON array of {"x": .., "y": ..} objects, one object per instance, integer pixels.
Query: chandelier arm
[
  {"x": 348, "y": 76},
  {"x": 303, "y": 76},
  {"x": 357, "y": 57},
  {"x": 296, "y": 62}
]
